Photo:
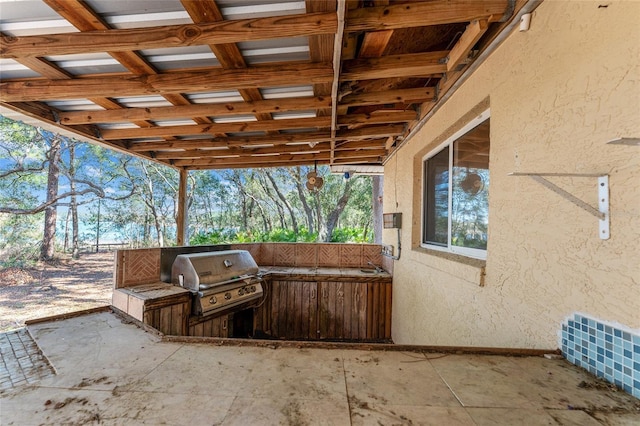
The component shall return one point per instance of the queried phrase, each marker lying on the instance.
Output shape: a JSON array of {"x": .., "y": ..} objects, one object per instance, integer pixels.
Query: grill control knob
[
  {"x": 213, "y": 300},
  {"x": 227, "y": 296},
  {"x": 253, "y": 289},
  {"x": 240, "y": 291}
]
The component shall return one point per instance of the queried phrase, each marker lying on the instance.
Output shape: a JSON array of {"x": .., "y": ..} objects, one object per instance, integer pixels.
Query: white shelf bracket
[{"x": 602, "y": 212}]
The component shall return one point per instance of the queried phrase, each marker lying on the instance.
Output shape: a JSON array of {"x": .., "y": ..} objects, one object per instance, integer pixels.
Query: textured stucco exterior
[{"x": 557, "y": 94}]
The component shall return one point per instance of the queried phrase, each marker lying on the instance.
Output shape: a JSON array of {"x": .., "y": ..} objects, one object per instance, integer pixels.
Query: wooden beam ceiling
[{"x": 344, "y": 99}]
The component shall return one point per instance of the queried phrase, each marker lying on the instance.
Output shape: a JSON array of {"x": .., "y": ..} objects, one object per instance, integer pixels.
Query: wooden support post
[{"x": 181, "y": 219}]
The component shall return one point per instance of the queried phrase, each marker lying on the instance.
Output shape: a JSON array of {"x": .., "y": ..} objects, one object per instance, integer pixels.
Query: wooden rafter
[
  {"x": 422, "y": 14},
  {"x": 407, "y": 65},
  {"x": 191, "y": 110},
  {"x": 228, "y": 54},
  {"x": 123, "y": 40},
  {"x": 288, "y": 149},
  {"x": 244, "y": 126},
  {"x": 178, "y": 82},
  {"x": 377, "y": 117},
  {"x": 469, "y": 38},
  {"x": 400, "y": 96},
  {"x": 85, "y": 19},
  {"x": 321, "y": 47}
]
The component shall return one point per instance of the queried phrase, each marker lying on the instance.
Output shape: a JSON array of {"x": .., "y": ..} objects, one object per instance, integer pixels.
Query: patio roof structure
[{"x": 210, "y": 84}]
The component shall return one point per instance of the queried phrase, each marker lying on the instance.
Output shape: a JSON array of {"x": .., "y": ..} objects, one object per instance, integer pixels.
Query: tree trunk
[
  {"x": 322, "y": 236},
  {"x": 294, "y": 222},
  {"x": 50, "y": 215},
  {"x": 332, "y": 218},
  {"x": 303, "y": 199},
  {"x": 75, "y": 241},
  {"x": 263, "y": 183},
  {"x": 66, "y": 232},
  {"x": 376, "y": 200},
  {"x": 75, "y": 249}
]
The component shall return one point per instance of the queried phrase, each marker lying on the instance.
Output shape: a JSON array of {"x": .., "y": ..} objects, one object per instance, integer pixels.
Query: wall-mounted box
[{"x": 392, "y": 220}]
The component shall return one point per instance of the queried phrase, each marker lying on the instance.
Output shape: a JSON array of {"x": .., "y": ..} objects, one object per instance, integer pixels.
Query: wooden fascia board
[
  {"x": 422, "y": 14},
  {"x": 216, "y": 128},
  {"x": 186, "y": 111},
  {"x": 178, "y": 82},
  {"x": 131, "y": 39},
  {"x": 406, "y": 65}
]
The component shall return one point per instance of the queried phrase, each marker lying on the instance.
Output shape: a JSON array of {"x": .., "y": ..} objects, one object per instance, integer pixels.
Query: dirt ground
[{"x": 64, "y": 285}]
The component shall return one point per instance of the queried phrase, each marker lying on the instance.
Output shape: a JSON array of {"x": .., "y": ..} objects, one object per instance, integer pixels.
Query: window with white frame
[{"x": 455, "y": 207}]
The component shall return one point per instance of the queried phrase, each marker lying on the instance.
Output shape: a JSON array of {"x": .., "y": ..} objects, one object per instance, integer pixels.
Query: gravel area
[{"x": 52, "y": 288}]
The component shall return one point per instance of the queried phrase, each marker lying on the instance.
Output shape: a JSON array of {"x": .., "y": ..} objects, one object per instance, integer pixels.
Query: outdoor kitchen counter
[
  {"x": 307, "y": 303},
  {"x": 325, "y": 274}
]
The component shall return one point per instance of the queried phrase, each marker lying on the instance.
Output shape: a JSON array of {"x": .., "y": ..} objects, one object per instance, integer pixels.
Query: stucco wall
[{"x": 557, "y": 93}]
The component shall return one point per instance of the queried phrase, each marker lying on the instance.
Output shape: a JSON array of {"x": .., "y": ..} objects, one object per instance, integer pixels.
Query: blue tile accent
[{"x": 607, "y": 351}]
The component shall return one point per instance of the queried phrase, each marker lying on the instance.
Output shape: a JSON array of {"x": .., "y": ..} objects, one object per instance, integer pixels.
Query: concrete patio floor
[{"x": 109, "y": 372}]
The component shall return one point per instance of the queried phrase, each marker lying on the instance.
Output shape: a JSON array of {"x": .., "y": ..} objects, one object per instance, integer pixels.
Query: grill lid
[{"x": 194, "y": 270}]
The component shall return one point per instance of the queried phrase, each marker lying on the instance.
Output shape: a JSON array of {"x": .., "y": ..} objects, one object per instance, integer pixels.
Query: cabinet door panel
[
  {"x": 342, "y": 310},
  {"x": 359, "y": 311}
]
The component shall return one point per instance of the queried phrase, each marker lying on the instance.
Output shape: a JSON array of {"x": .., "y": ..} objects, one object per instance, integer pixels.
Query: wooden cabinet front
[
  {"x": 293, "y": 309},
  {"x": 327, "y": 310},
  {"x": 218, "y": 326}
]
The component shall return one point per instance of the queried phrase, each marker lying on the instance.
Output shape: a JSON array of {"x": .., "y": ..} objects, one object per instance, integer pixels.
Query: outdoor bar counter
[{"x": 335, "y": 302}]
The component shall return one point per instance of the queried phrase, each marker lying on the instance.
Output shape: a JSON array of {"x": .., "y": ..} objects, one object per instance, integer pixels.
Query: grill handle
[{"x": 233, "y": 280}]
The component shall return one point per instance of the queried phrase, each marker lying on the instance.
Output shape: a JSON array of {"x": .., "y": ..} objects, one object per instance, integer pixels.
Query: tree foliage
[{"x": 103, "y": 196}]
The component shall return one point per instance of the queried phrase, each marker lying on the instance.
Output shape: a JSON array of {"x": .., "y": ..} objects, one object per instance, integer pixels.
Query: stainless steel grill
[{"x": 219, "y": 280}]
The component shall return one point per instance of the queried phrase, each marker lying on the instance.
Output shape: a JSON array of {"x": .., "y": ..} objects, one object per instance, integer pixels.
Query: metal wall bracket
[{"x": 602, "y": 212}]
